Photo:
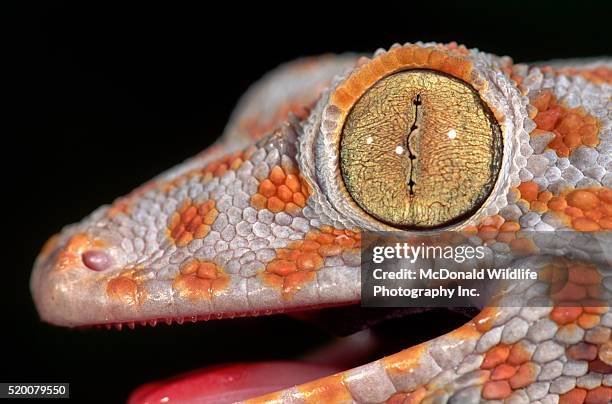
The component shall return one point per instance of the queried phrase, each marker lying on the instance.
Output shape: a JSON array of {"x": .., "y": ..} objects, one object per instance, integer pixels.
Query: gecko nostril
[{"x": 96, "y": 260}]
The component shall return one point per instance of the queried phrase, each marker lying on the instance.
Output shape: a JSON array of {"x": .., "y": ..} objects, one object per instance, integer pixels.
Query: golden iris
[{"x": 420, "y": 150}]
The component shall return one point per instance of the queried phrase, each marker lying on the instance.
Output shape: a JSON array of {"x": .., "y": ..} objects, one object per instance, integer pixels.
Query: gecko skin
[{"x": 260, "y": 223}]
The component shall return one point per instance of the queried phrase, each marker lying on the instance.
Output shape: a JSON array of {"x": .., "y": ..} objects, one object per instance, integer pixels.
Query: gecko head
[{"x": 419, "y": 138}]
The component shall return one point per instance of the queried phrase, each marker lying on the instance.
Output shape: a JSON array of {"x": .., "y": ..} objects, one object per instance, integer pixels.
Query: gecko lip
[{"x": 228, "y": 383}]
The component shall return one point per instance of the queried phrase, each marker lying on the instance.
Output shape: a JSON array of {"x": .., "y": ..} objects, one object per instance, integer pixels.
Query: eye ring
[{"x": 478, "y": 70}]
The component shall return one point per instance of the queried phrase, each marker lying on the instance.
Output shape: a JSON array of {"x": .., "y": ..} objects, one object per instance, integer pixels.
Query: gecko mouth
[{"x": 367, "y": 334}]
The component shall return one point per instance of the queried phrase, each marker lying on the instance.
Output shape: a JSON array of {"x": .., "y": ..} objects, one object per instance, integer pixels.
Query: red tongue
[{"x": 229, "y": 383}]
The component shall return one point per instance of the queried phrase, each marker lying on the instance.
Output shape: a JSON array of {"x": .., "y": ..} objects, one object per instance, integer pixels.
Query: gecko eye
[{"x": 420, "y": 150}]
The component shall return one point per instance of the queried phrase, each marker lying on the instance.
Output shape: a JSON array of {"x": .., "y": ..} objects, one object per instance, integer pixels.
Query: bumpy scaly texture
[{"x": 243, "y": 229}]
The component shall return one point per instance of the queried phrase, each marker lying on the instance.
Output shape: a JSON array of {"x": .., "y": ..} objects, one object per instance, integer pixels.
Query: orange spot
[
  {"x": 543, "y": 101},
  {"x": 405, "y": 361},
  {"x": 582, "y": 351},
  {"x": 547, "y": 120},
  {"x": 270, "y": 398},
  {"x": 275, "y": 205},
  {"x": 565, "y": 315},
  {"x": 525, "y": 375},
  {"x": 200, "y": 280},
  {"x": 284, "y": 193},
  {"x": 293, "y": 183},
  {"x": 597, "y": 75},
  {"x": 184, "y": 239},
  {"x": 572, "y": 127},
  {"x": 495, "y": 356},
  {"x": 277, "y": 176},
  {"x": 587, "y": 321},
  {"x": 191, "y": 221},
  {"x": 487, "y": 233},
  {"x": 518, "y": 354},
  {"x": 207, "y": 270},
  {"x": 296, "y": 264},
  {"x": 70, "y": 255},
  {"x": 309, "y": 261},
  {"x": 585, "y": 224},
  {"x": 510, "y": 227},
  {"x": 599, "y": 366},
  {"x": 573, "y": 212},
  {"x": 583, "y": 209},
  {"x": 124, "y": 290},
  {"x": 503, "y": 372},
  {"x": 538, "y": 206},
  {"x": 594, "y": 291},
  {"x": 496, "y": 390},
  {"x": 330, "y": 389},
  {"x": 281, "y": 191},
  {"x": 605, "y": 352},
  {"x": 267, "y": 188},
  {"x": 485, "y": 319},
  {"x": 606, "y": 223},
  {"x": 545, "y": 196},
  {"x": 213, "y": 169},
  {"x": 293, "y": 282},
  {"x": 493, "y": 228},
  {"x": 466, "y": 331},
  {"x": 201, "y": 231},
  {"x": 330, "y": 250},
  {"x": 582, "y": 199},
  {"x": 471, "y": 230},
  {"x": 557, "y": 203},
  {"x": 309, "y": 245},
  {"x": 598, "y": 307},
  {"x": 221, "y": 165},
  {"x": 594, "y": 215},
  {"x": 584, "y": 274},
  {"x": 599, "y": 395},
  {"x": 529, "y": 191},
  {"x": 190, "y": 267},
  {"x": 323, "y": 238},
  {"x": 492, "y": 221},
  {"x": 570, "y": 292},
  {"x": 281, "y": 267},
  {"x": 523, "y": 246},
  {"x": 605, "y": 195},
  {"x": 258, "y": 201},
  {"x": 506, "y": 237},
  {"x": 574, "y": 396}
]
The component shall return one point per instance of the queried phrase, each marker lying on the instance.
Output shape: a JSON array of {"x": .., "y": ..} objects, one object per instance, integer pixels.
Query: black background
[{"x": 108, "y": 96}]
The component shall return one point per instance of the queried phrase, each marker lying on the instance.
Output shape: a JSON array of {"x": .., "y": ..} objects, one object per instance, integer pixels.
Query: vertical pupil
[{"x": 420, "y": 150}]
